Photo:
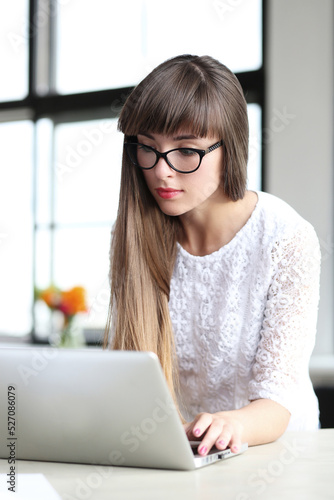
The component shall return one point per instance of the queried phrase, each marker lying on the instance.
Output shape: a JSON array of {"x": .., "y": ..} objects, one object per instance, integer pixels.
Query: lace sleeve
[{"x": 289, "y": 324}]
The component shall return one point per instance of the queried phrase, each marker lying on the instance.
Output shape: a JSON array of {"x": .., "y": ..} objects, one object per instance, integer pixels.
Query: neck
[{"x": 206, "y": 229}]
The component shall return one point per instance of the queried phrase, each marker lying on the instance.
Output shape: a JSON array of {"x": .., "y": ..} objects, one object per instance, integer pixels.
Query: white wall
[{"x": 299, "y": 136}]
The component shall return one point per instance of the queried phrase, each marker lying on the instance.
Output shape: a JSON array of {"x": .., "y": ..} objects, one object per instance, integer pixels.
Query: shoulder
[
  {"x": 279, "y": 220},
  {"x": 284, "y": 232}
]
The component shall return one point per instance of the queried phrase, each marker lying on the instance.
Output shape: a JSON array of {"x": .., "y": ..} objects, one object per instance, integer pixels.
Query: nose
[{"x": 163, "y": 170}]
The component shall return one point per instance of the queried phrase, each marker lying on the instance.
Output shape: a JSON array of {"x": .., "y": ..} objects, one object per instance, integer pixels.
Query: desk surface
[{"x": 297, "y": 466}]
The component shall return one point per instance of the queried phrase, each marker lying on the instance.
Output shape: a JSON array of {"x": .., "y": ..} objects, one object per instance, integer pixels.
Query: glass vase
[{"x": 71, "y": 335}]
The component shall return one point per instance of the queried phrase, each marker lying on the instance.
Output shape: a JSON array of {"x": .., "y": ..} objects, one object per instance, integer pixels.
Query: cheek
[{"x": 206, "y": 183}]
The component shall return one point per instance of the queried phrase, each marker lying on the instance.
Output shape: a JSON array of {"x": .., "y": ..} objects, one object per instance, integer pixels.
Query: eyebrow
[{"x": 176, "y": 138}]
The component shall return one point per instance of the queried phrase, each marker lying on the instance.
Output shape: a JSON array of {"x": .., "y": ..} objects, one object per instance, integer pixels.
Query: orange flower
[
  {"x": 73, "y": 301},
  {"x": 69, "y": 302}
]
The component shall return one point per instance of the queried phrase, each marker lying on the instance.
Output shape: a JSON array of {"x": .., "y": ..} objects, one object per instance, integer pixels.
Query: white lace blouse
[{"x": 244, "y": 317}]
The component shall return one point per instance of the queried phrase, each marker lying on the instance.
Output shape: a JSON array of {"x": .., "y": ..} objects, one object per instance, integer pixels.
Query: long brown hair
[{"x": 190, "y": 93}]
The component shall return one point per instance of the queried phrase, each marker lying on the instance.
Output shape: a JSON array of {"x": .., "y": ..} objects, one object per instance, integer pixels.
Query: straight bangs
[{"x": 179, "y": 101}]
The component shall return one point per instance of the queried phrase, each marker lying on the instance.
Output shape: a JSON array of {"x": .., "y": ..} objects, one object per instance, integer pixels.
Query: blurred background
[{"x": 67, "y": 67}]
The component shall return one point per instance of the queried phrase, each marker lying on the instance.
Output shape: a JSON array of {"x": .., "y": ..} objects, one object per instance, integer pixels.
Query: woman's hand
[
  {"x": 259, "y": 422},
  {"x": 220, "y": 429}
]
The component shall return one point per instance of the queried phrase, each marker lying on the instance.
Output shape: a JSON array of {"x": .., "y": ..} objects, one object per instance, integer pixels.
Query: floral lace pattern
[{"x": 244, "y": 317}]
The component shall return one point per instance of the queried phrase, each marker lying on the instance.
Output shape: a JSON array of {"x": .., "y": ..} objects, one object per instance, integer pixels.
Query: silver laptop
[{"x": 92, "y": 406}]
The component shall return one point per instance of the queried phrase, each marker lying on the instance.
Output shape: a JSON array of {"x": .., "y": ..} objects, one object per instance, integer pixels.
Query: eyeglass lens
[{"x": 182, "y": 159}]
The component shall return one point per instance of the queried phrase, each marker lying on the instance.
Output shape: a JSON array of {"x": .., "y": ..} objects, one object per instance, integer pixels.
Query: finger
[
  {"x": 201, "y": 424},
  {"x": 235, "y": 443},
  {"x": 188, "y": 428},
  {"x": 224, "y": 439},
  {"x": 230, "y": 437},
  {"x": 210, "y": 438}
]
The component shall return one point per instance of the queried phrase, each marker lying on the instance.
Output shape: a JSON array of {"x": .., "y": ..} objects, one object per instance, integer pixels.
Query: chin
[{"x": 172, "y": 211}]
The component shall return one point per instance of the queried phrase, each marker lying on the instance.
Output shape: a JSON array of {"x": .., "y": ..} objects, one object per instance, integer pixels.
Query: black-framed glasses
[{"x": 183, "y": 160}]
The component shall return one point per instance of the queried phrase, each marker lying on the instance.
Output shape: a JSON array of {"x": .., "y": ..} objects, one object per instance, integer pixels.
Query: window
[{"x": 72, "y": 64}]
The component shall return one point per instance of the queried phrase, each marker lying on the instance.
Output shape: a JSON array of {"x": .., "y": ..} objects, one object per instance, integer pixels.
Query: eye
[
  {"x": 144, "y": 149},
  {"x": 187, "y": 152}
]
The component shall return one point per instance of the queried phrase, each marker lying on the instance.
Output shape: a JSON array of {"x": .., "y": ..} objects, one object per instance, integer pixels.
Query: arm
[{"x": 261, "y": 421}]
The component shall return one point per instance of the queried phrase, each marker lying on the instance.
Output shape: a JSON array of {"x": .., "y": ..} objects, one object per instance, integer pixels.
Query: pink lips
[{"x": 167, "y": 193}]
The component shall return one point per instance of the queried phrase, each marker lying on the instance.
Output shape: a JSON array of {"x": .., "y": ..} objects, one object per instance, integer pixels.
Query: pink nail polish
[
  {"x": 202, "y": 450},
  {"x": 222, "y": 443},
  {"x": 197, "y": 432}
]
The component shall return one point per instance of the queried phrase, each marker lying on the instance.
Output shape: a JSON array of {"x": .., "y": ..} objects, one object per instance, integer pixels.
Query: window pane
[
  {"x": 229, "y": 31},
  {"x": 14, "y": 50},
  {"x": 95, "y": 62},
  {"x": 76, "y": 205},
  {"x": 16, "y": 227},
  {"x": 78, "y": 257},
  {"x": 87, "y": 172},
  {"x": 81, "y": 257}
]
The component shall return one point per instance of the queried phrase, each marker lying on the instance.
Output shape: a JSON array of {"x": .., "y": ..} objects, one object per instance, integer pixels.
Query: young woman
[{"x": 221, "y": 282}]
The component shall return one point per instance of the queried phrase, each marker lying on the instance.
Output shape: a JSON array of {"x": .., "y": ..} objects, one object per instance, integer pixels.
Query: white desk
[{"x": 297, "y": 466}]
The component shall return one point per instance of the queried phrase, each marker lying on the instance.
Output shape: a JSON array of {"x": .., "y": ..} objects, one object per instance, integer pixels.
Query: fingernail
[
  {"x": 222, "y": 443},
  {"x": 197, "y": 432},
  {"x": 235, "y": 448},
  {"x": 202, "y": 450}
]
